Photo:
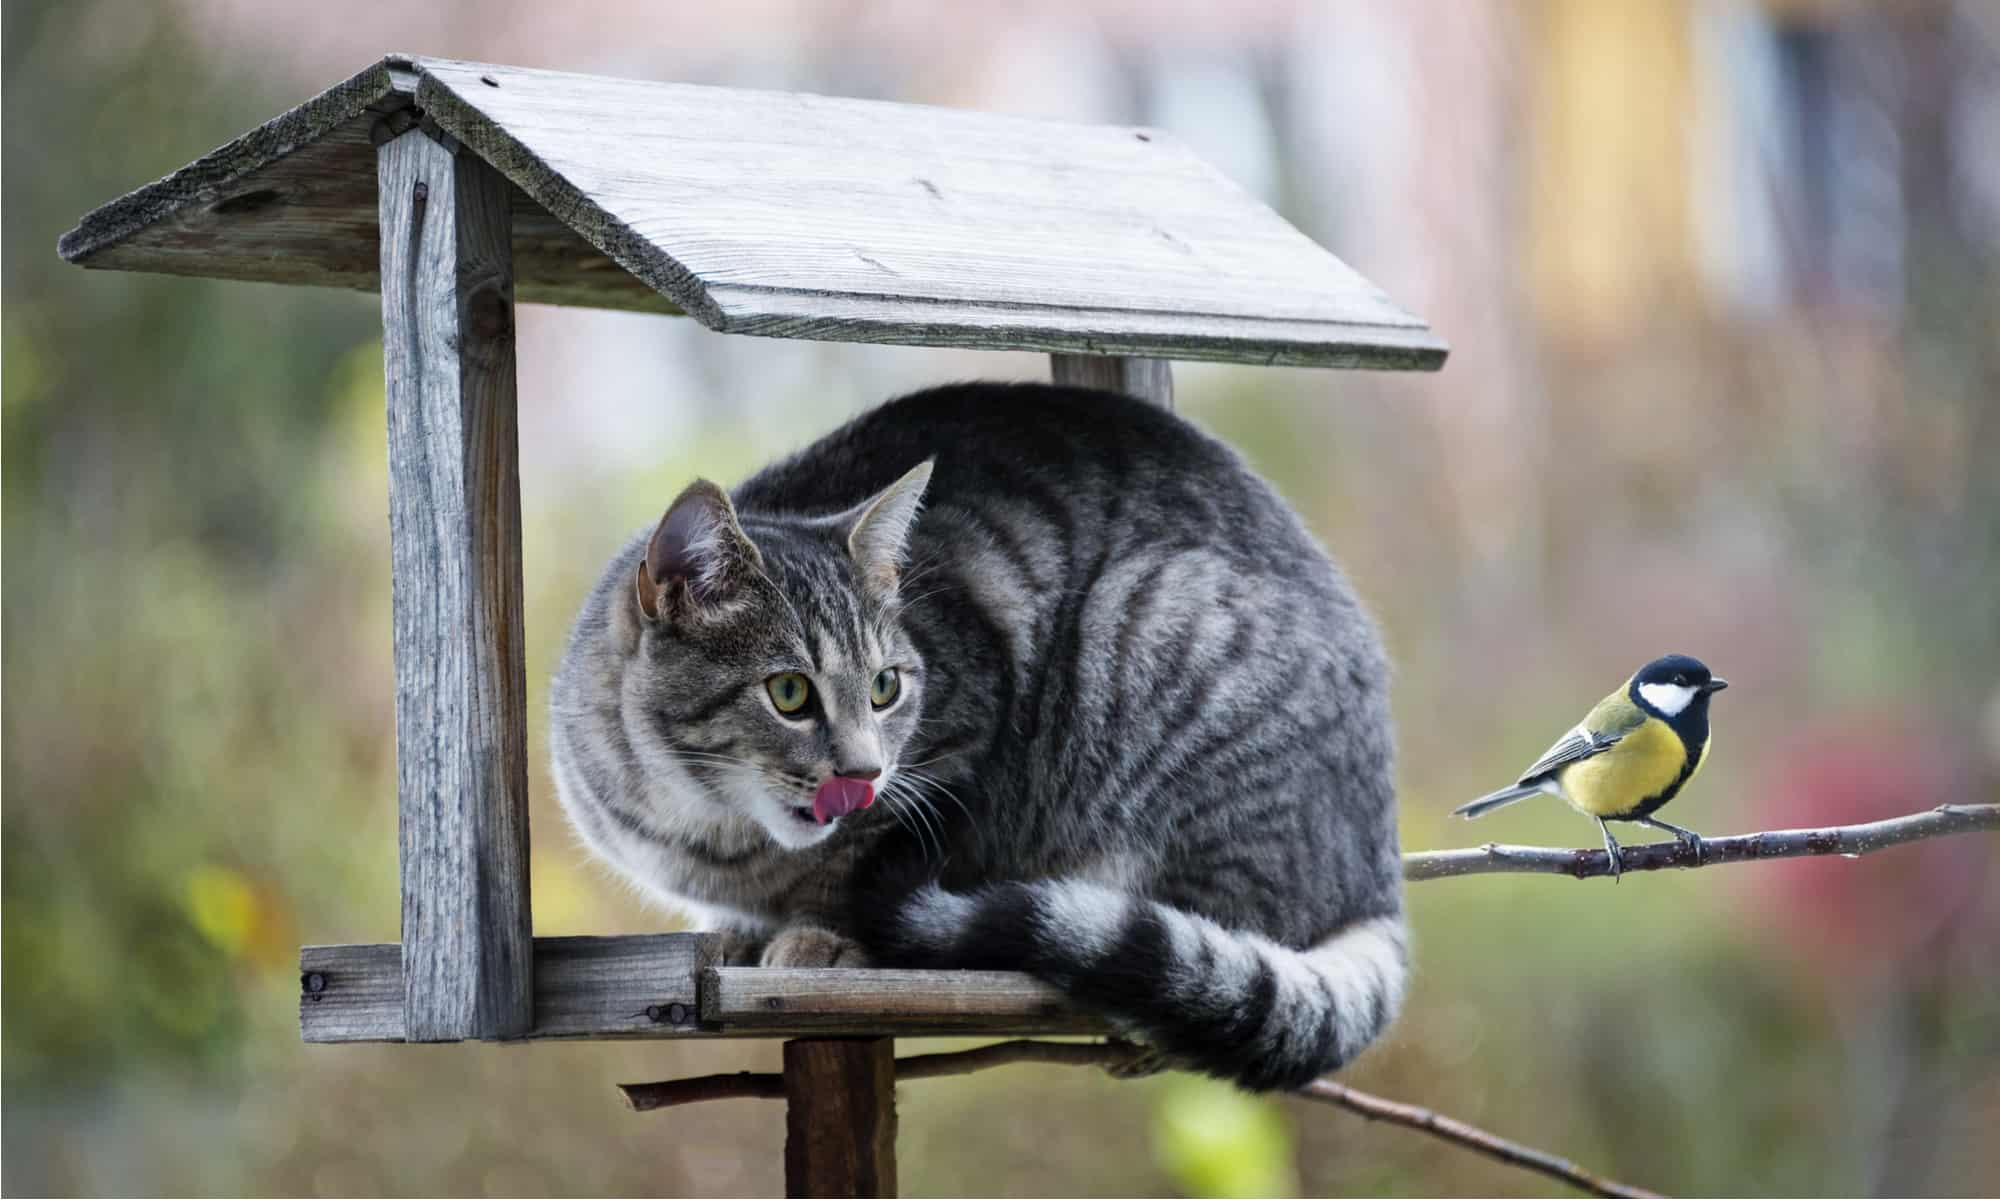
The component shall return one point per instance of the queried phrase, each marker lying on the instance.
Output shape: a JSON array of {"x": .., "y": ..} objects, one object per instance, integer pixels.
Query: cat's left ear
[
  {"x": 698, "y": 558},
  {"x": 879, "y": 537}
]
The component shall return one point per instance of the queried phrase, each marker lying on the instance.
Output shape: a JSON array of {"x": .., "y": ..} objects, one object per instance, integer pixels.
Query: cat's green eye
[
  {"x": 888, "y": 684},
  {"x": 789, "y": 692}
]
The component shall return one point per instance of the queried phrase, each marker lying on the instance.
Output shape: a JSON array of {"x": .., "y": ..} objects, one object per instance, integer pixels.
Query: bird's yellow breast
[{"x": 1644, "y": 763}]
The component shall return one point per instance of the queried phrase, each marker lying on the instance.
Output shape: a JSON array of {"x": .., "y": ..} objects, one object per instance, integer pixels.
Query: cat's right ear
[{"x": 698, "y": 557}]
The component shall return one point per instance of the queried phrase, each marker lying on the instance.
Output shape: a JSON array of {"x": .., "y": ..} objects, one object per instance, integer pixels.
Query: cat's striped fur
[{"x": 1142, "y": 751}]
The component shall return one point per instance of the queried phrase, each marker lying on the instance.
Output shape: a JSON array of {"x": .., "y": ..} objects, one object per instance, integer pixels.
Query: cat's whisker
[
  {"x": 916, "y": 572},
  {"x": 933, "y": 781},
  {"x": 893, "y": 802},
  {"x": 703, "y": 758},
  {"x": 919, "y": 809},
  {"x": 897, "y": 803},
  {"x": 928, "y": 808},
  {"x": 918, "y": 599},
  {"x": 774, "y": 779}
]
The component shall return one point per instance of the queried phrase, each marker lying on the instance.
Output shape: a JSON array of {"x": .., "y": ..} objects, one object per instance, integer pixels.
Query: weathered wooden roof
[{"x": 787, "y": 215}]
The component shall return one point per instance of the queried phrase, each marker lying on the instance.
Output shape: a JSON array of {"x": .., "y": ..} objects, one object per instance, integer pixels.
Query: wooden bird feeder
[{"x": 455, "y": 189}]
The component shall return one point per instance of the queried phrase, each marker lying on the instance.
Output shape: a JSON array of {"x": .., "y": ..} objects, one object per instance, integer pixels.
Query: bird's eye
[
  {"x": 888, "y": 684},
  {"x": 1680, "y": 681},
  {"x": 789, "y": 692}
]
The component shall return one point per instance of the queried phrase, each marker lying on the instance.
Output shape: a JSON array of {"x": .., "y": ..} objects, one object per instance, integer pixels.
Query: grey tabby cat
[{"x": 1128, "y": 724}]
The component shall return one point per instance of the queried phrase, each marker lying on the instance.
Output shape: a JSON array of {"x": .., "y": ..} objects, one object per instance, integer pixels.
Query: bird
[{"x": 1635, "y": 751}]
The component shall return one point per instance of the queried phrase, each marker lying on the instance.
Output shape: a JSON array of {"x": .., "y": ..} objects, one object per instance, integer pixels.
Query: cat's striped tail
[{"x": 1233, "y": 1005}]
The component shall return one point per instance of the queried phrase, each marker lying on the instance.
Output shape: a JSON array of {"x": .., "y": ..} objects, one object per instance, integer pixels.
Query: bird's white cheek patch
[{"x": 1669, "y": 698}]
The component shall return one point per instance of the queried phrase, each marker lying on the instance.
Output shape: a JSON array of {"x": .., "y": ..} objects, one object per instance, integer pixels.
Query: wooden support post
[
  {"x": 455, "y": 539},
  {"x": 1147, "y": 378},
  {"x": 840, "y": 1117}
]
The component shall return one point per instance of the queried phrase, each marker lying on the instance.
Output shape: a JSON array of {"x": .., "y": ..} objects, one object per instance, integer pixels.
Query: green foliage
[
  {"x": 1216, "y": 1141},
  {"x": 158, "y": 701}
]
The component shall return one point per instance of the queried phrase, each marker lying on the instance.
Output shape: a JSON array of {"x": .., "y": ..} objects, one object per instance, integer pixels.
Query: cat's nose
[{"x": 871, "y": 774}]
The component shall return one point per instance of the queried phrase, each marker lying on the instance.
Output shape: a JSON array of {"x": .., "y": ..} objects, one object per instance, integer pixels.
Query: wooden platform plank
[
  {"x": 860, "y": 1002},
  {"x": 666, "y": 985},
  {"x": 789, "y": 215},
  {"x": 585, "y": 987}
]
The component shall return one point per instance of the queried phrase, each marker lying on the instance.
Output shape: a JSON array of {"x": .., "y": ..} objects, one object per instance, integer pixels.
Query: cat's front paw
[
  {"x": 811, "y": 946},
  {"x": 737, "y": 948}
]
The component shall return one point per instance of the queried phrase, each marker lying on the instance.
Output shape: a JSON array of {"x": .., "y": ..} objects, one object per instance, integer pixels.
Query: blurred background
[{"x": 1722, "y": 282}]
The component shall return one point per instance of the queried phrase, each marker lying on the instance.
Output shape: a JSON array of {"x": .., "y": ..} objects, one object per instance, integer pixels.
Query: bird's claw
[
  {"x": 1144, "y": 1061},
  {"x": 1611, "y": 851}
]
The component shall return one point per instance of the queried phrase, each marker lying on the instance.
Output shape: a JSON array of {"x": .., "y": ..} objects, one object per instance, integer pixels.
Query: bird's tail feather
[
  {"x": 1228, "y": 1003},
  {"x": 1500, "y": 799}
]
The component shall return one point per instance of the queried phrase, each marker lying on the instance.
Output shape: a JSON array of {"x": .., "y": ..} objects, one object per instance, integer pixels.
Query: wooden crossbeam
[{"x": 667, "y": 985}]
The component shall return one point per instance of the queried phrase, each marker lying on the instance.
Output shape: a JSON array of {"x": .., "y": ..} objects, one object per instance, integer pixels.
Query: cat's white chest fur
[{"x": 647, "y": 860}]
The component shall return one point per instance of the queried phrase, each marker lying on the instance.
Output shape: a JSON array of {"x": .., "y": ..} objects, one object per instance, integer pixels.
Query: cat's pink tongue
[{"x": 841, "y": 795}]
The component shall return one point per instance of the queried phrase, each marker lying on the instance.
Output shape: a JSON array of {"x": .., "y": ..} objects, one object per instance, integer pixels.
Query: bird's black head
[{"x": 1675, "y": 684}]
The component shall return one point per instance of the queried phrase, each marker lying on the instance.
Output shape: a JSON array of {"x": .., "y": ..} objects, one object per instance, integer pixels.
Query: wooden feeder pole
[
  {"x": 1147, "y": 378},
  {"x": 840, "y": 1117},
  {"x": 455, "y": 539}
]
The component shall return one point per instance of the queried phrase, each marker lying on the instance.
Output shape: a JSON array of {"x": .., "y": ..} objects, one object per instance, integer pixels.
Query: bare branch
[
  {"x": 1113, "y": 1056},
  {"x": 1117, "y": 1057},
  {"x": 737, "y": 1085},
  {"x": 1850, "y": 841},
  {"x": 1124, "y": 1058},
  {"x": 1473, "y": 1138}
]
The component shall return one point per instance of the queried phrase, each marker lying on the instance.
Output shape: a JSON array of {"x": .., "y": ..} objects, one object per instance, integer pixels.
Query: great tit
[{"x": 1634, "y": 752}]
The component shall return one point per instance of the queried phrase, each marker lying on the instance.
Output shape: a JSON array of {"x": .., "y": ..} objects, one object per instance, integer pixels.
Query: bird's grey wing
[
  {"x": 1574, "y": 746},
  {"x": 1614, "y": 717}
]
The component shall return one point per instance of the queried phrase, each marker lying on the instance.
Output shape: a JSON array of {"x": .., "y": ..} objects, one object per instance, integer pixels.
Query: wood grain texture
[
  {"x": 840, "y": 1117},
  {"x": 666, "y": 985},
  {"x": 807, "y": 216},
  {"x": 1150, "y": 379},
  {"x": 585, "y": 987},
  {"x": 455, "y": 541},
  {"x": 864, "y": 1001},
  {"x": 294, "y": 202},
  {"x": 791, "y": 215}
]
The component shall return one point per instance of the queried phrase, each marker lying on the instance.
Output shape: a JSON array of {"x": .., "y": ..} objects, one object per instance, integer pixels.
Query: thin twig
[
  {"x": 1112, "y": 1056},
  {"x": 753, "y": 1085},
  {"x": 1851, "y": 841},
  {"x": 1473, "y": 1138},
  {"x": 737, "y": 1085},
  {"x": 1122, "y": 1058}
]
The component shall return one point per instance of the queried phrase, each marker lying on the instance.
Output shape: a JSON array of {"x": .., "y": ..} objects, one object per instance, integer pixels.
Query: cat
[{"x": 1127, "y": 722}]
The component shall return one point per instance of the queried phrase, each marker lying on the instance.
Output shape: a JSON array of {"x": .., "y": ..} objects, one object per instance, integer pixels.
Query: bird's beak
[{"x": 1716, "y": 684}]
